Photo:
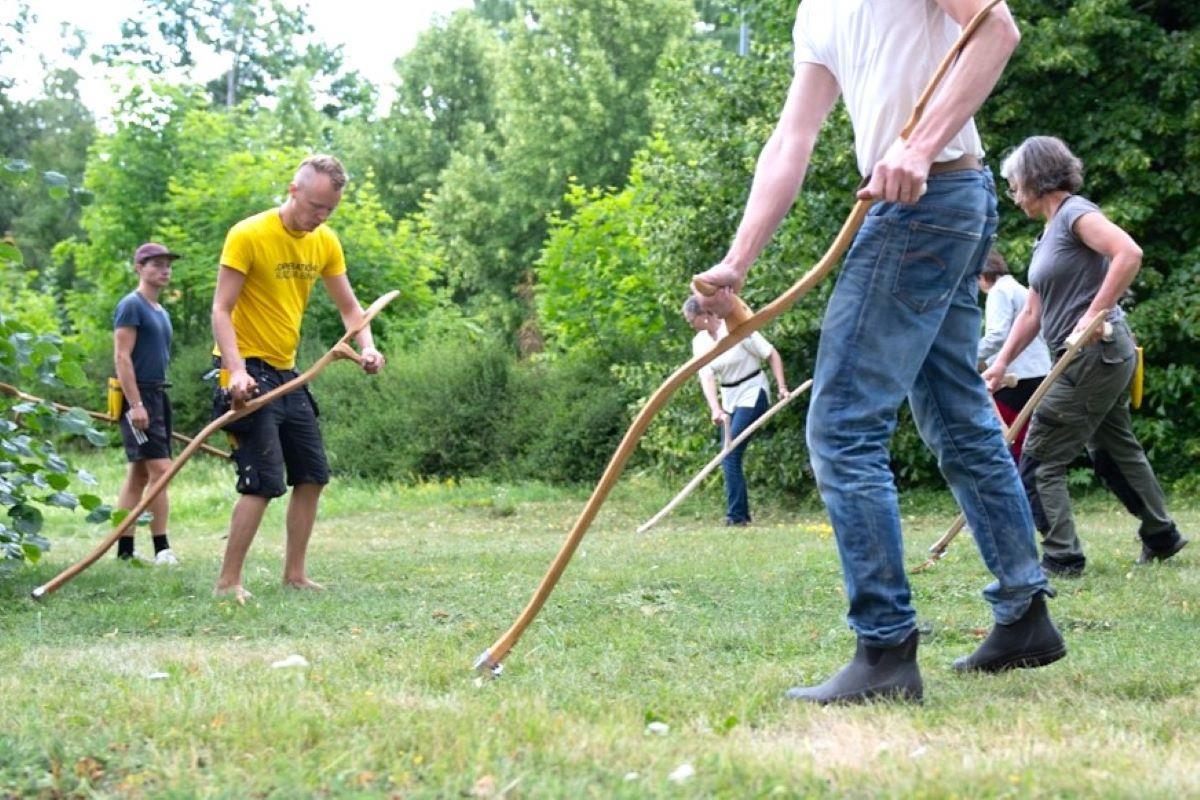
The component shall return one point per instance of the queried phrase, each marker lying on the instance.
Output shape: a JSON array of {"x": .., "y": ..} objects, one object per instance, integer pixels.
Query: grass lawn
[{"x": 135, "y": 682}]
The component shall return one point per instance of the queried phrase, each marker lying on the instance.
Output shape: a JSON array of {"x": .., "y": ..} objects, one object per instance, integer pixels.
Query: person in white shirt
[
  {"x": 743, "y": 395},
  {"x": 1005, "y": 300},
  {"x": 902, "y": 322}
]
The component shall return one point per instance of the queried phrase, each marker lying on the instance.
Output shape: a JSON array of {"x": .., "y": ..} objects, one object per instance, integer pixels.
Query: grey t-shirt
[
  {"x": 1066, "y": 273},
  {"x": 152, "y": 349}
]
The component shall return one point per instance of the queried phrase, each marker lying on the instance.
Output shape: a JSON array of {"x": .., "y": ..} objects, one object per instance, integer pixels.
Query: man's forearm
[
  {"x": 969, "y": 83},
  {"x": 777, "y": 180},
  {"x": 125, "y": 374},
  {"x": 231, "y": 356}
]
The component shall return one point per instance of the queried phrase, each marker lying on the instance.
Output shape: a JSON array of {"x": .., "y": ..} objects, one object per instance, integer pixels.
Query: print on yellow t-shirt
[{"x": 281, "y": 267}]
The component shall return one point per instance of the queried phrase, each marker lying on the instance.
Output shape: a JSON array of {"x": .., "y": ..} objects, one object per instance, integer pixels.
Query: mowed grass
[{"x": 695, "y": 625}]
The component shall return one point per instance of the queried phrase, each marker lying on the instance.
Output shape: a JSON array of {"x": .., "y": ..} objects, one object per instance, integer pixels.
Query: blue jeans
[
  {"x": 903, "y": 320},
  {"x": 737, "y": 502}
]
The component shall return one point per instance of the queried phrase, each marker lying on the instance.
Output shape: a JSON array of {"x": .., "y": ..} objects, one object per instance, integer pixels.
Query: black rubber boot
[
  {"x": 1161, "y": 546},
  {"x": 1031, "y": 641},
  {"x": 875, "y": 673}
]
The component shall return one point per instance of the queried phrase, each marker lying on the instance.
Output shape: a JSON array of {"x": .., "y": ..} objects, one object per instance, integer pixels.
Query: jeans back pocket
[{"x": 933, "y": 261}]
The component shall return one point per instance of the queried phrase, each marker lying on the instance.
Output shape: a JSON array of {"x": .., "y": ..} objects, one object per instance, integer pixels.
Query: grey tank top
[{"x": 1066, "y": 273}]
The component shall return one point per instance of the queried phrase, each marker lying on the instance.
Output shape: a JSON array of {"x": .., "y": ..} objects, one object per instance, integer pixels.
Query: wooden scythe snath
[
  {"x": 1074, "y": 345},
  {"x": 719, "y": 457},
  {"x": 739, "y": 324},
  {"x": 341, "y": 350},
  {"x": 179, "y": 437}
]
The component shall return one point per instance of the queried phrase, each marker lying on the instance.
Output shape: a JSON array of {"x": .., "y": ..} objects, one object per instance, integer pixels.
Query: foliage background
[{"x": 548, "y": 177}]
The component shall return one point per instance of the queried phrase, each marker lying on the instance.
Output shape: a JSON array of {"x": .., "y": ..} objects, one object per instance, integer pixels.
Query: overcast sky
[{"x": 374, "y": 34}]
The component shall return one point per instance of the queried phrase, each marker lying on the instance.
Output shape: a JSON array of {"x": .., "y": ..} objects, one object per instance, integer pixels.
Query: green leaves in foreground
[{"x": 32, "y": 472}]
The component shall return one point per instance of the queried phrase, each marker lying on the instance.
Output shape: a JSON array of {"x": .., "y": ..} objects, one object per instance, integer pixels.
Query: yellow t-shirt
[{"x": 281, "y": 267}]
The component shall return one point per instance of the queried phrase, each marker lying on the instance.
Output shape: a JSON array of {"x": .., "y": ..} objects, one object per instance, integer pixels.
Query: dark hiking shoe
[
  {"x": 1161, "y": 546},
  {"x": 1063, "y": 568},
  {"x": 1031, "y": 641},
  {"x": 875, "y": 673}
]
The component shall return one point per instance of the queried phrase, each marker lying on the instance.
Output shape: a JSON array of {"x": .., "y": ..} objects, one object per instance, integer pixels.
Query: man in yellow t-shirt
[{"x": 268, "y": 267}]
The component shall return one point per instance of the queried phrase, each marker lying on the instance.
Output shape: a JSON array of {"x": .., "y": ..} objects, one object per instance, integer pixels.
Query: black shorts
[
  {"x": 158, "y": 435},
  {"x": 282, "y": 434}
]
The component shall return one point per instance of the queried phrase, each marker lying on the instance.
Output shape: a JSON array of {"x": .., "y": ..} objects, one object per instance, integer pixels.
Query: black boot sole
[
  {"x": 888, "y": 695},
  {"x": 1019, "y": 661}
]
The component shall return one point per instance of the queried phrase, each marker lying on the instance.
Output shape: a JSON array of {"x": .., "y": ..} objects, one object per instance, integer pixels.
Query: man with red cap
[{"x": 141, "y": 349}]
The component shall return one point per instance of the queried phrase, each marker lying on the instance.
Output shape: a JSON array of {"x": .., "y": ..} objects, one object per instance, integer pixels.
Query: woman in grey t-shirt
[{"x": 1082, "y": 264}]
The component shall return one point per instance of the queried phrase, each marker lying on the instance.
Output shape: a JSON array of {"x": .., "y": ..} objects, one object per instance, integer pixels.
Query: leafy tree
[
  {"x": 445, "y": 93},
  {"x": 573, "y": 105},
  {"x": 261, "y": 39}
]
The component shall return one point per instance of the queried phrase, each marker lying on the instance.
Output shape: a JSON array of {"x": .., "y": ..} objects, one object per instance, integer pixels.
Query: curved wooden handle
[
  {"x": 490, "y": 658},
  {"x": 335, "y": 353}
]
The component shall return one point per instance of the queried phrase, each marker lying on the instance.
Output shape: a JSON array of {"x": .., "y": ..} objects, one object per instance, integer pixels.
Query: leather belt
[
  {"x": 962, "y": 162},
  {"x": 740, "y": 381}
]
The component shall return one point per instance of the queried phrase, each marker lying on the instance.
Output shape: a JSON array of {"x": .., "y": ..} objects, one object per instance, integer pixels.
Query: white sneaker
[{"x": 165, "y": 558}]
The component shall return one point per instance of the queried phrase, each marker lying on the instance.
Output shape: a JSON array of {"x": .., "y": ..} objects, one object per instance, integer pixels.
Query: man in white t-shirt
[
  {"x": 742, "y": 398},
  {"x": 902, "y": 322}
]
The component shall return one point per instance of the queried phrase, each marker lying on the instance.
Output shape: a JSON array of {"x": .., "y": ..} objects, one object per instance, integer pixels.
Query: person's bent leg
[
  {"x": 130, "y": 493},
  {"x": 307, "y": 473},
  {"x": 1058, "y": 431},
  {"x": 301, "y": 515},
  {"x": 954, "y": 416},
  {"x": 160, "y": 506},
  {"x": 1121, "y": 463},
  {"x": 243, "y": 525},
  {"x": 259, "y": 459},
  {"x": 160, "y": 510},
  {"x": 737, "y": 497}
]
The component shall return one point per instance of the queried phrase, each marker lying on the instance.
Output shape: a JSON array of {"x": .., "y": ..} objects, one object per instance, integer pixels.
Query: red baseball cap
[{"x": 151, "y": 250}]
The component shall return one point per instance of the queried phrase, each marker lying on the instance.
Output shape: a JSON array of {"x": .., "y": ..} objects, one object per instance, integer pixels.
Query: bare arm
[
  {"x": 778, "y": 176},
  {"x": 124, "y": 338},
  {"x": 708, "y": 383},
  {"x": 229, "y": 288},
  {"x": 777, "y": 370},
  {"x": 1124, "y": 260},
  {"x": 343, "y": 297},
  {"x": 901, "y": 174},
  {"x": 1025, "y": 328}
]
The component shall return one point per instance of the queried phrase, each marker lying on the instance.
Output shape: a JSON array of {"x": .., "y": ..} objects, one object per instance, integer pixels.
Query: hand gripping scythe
[
  {"x": 740, "y": 324},
  {"x": 341, "y": 350}
]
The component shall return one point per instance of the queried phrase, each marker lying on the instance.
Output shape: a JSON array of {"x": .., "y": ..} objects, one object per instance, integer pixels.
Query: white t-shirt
[
  {"x": 882, "y": 53},
  {"x": 744, "y": 359},
  {"x": 1004, "y": 302}
]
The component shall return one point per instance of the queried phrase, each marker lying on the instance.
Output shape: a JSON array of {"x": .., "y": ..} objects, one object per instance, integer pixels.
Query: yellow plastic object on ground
[
  {"x": 115, "y": 396},
  {"x": 1139, "y": 379}
]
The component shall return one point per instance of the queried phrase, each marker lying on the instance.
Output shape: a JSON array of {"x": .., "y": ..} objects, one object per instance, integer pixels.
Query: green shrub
[
  {"x": 570, "y": 414},
  {"x": 437, "y": 410}
]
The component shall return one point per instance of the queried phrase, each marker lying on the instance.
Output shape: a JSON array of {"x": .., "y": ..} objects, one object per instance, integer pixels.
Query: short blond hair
[{"x": 326, "y": 165}]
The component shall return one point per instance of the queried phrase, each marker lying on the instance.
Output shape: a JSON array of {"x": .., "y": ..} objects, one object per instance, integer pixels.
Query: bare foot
[
  {"x": 303, "y": 583},
  {"x": 235, "y": 591}
]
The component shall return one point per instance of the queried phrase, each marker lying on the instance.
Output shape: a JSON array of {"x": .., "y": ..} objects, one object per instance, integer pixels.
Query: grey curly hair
[{"x": 1043, "y": 164}]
